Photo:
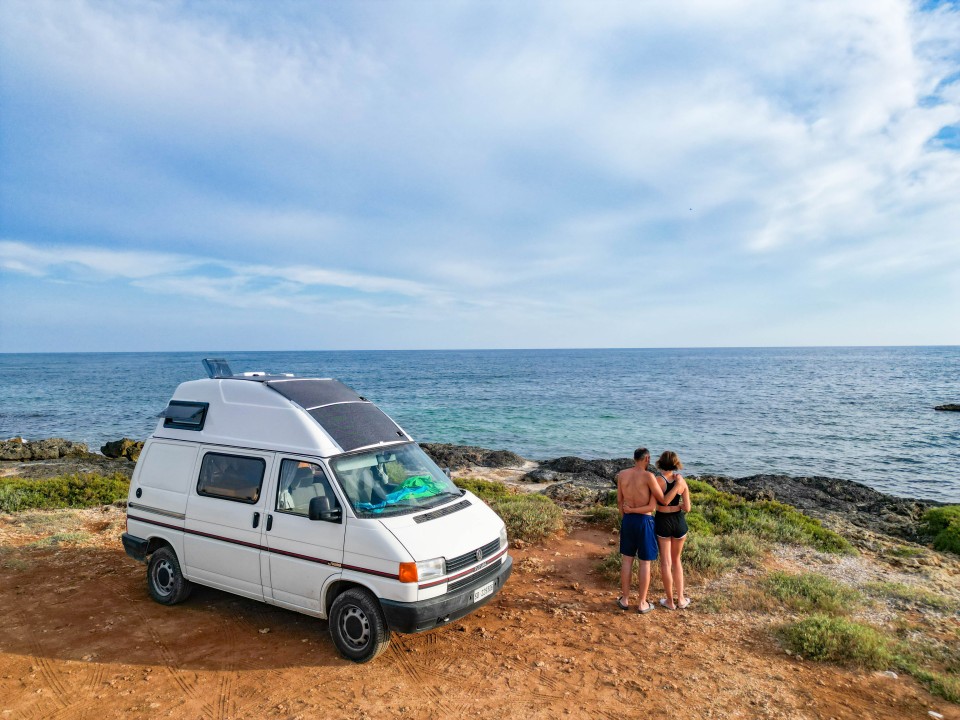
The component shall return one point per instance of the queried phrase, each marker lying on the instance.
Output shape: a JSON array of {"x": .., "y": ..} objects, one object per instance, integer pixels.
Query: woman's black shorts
[{"x": 670, "y": 525}]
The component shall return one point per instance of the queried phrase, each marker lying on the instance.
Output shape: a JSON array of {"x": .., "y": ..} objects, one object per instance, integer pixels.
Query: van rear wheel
[
  {"x": 357, "y": 626},
  {"x": 166, "y": 583}
]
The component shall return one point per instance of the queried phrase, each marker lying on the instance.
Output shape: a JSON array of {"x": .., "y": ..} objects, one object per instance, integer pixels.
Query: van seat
[{"x": 303, "y": 489}]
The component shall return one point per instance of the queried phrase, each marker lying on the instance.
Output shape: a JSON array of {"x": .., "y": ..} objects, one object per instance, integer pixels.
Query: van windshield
[{"x": 395, "y": 481}]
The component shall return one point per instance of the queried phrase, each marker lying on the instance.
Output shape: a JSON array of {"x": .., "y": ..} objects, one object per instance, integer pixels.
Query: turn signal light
[{"x": 408, "y": 572}]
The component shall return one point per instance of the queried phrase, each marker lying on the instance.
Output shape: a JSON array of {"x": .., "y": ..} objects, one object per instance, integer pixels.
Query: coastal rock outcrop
[
  {"x": 590, "y": 473},
  {"x": 949, "y": 407},
  {"x": 824, "y": 497},
  {"x": 125, "y": 448},
  {"x": 50, "y": 449},
  {"x": 456, "y": 457}
]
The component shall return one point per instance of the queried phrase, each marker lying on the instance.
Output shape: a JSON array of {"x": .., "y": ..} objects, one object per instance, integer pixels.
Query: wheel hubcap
[
  {"x": 163, "y": 577},
  {"x": 355, "y": 627}
]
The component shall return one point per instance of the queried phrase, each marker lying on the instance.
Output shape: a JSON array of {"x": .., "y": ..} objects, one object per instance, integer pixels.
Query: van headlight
[
  {"x": 427, "y": 569},
  {"x": 503, "y": 536}
]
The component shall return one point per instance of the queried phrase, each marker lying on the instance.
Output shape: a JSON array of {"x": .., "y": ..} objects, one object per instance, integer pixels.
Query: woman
[{"x": 670, "y": 527}]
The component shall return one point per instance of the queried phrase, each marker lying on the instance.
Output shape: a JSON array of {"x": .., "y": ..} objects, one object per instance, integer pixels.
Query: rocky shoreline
[{"x": 571, "y": 481}]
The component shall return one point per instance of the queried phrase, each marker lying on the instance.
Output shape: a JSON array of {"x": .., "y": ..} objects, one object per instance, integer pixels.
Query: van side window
[
  {"x": 231, "y": 477},
  {"x": 300, "y": 482}
]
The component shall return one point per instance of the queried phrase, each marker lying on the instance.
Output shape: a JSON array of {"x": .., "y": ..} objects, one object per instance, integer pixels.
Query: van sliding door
[{"x": 226, "y": 519}]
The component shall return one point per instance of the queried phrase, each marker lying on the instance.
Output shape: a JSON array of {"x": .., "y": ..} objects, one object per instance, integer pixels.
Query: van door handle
[
  {"x": 256, "y": 519},
  {"x": 269, "y": 522}
]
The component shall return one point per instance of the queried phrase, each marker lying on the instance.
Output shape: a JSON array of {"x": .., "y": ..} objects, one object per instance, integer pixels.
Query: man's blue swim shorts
[{"x": 637, "y": 536}]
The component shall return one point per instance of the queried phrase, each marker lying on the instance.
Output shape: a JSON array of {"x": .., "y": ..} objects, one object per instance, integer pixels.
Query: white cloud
[
  {"x": 526, "y": 159},
  {"x": 202, "y": 277}
]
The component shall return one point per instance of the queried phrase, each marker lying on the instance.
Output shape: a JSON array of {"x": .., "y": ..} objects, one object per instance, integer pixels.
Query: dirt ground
[{"x": 80, "y": 638}]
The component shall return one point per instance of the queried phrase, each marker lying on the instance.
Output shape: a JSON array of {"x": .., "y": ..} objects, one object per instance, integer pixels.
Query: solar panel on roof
[
  {"x": 313, "y": 392},
  {"x": 357, "y": 424}
]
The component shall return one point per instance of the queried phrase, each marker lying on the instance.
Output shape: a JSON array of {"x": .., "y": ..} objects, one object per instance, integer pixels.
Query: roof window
[{"x": 184, "y": 415}]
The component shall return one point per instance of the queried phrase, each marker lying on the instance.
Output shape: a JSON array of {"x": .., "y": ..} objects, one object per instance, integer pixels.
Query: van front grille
[
  {"x": 462, "y": 561},
  {"x": 485, "y": 573}
]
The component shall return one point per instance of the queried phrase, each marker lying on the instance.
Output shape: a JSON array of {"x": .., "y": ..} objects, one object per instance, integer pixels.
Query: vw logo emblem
[{"x": 479, "y": 555}]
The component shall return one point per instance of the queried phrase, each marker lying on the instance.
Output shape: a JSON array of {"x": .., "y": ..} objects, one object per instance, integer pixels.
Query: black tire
[
  {"x": 166, "y": 583},
  {"x": 357, "y": 626}
]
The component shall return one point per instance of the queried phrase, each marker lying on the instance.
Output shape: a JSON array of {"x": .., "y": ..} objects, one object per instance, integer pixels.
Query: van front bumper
[{"x": 428, "y": 614}]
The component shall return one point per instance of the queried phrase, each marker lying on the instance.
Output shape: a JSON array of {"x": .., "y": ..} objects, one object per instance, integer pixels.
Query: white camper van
[{"x": 300, "y": 493}]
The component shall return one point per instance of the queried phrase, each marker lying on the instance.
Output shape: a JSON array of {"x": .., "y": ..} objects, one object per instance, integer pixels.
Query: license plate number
[{"x": 482, "y": 592}]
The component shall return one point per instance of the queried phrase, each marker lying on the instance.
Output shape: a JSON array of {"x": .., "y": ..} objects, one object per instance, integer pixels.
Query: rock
[
  {"x": 590, "y": 473},
  {"x": 49, "y": 449},
  {"x": 949, "y": 407},
  {"x": 571, "y": 495},
  {"x": 890, "y": 674},
  {"x": 934, "y": 715},
  {"x": 829, "y": 498},
  {"x": 457, "y": 457},
  {"x": 125, "y": 448},
  {"x": 14, "y": 449}
]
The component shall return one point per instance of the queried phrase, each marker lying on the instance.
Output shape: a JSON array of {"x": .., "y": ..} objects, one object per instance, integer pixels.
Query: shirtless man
[{"x": 638, "y": 495}]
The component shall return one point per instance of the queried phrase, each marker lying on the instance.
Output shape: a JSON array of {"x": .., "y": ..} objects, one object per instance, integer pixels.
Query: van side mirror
[{"x": 320, "y": 510}]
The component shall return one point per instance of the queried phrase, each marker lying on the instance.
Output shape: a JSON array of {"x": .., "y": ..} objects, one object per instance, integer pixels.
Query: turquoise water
[{"x": 862, "y": 414}]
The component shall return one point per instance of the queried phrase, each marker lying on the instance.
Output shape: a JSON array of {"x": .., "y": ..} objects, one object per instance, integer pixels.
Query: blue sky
[{"x": 295, "y": 175}]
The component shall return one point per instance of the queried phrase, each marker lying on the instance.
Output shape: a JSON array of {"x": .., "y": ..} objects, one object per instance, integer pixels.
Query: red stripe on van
[
  {"x": 474, "y": 569},
  {"x": 264, "y": 548}
]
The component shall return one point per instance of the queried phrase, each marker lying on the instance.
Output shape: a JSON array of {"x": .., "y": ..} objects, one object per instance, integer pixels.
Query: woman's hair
[{"x": 669, "y": 461}]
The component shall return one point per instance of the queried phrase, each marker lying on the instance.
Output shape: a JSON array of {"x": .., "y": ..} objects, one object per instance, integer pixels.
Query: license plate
[{"x": 482, "y": 592}]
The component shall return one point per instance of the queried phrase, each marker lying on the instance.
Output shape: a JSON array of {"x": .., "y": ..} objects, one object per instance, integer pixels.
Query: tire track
[
  {"x": 223, "y": 707},
  {"x": 172, "y": 667},
  {"x": 551, "y": 682},
  {"x": 96, "y": 677},
  {"x": 50, "y": 675},
  {"x": 46, "y": 671},
  {"x": 75, "y": 711},
  {"x": 399, "y": 650}
]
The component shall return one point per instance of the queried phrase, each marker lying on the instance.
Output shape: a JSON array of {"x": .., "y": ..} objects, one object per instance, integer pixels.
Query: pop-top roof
[
  {"x": 316, "y": 415},
  {"x": 351, "y": 420}
]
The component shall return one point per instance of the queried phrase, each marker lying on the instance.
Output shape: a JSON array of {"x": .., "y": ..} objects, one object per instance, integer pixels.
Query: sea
[{"x": 860, "y": 413}]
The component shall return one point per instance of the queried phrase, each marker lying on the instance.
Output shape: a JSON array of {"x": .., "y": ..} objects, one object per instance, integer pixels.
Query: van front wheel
[
  {"x": 166, "y": 583},
  {"x": 357, "y": 626}
]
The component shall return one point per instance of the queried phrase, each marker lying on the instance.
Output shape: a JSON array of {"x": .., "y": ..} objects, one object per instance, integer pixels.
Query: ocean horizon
[{"x": 861, "y": 413}]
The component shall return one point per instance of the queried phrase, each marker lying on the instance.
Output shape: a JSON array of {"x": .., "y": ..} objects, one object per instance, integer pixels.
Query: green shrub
[
  {"x": 948, "y": 539},
  {"x": 715, "y": 512},
  {"x": 698, "y": 524},
  {"x": 740, "y": 545},
  {"x": 810, "y": 592},
  {"x": 906, "y": 551},
  {"x": 609, "y": 569},
  {"x": 947, "y": 686},
  {"x": 701, "y": 488},
  {"x": 608, "y": 517},
  {"x": 529, "y": 517},
  {"x": 943, "y": 523},
  {"x": 705, "y": 554},
  {"x": 831, "y": 639},
  {"x": 938, "y": 519},
  {"x": 62, "y": 538},
  {"x": 610, "y": 499},
  {"x": 66, "y": 491},
  {"x": 907, "y": 593},
  {"x": 486, "y": 490}
]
